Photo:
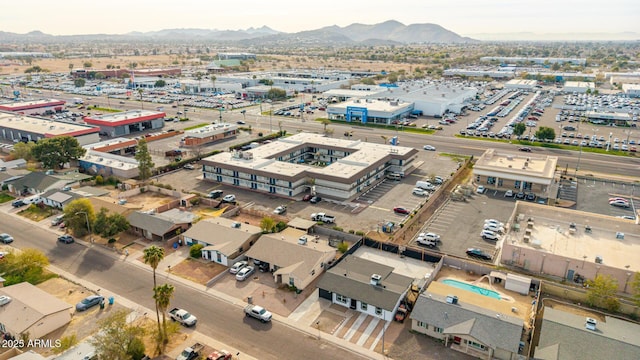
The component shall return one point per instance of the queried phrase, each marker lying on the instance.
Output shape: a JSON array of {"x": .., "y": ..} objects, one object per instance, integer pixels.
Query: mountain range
[{"x": 388, "y": 32}]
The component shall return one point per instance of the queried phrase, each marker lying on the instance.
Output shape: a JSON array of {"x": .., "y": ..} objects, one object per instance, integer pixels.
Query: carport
[{"x": 301, "y": 224}]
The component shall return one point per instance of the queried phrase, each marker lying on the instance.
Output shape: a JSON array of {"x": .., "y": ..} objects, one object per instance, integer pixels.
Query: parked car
[
  {"x": 419, "y": 192},
  {"x": 307, "y": 197},
  {"x": 616, "y": 203},
  {"x": 400, "y": 210},
  {"x": 6, "y": 238},
  {"x": 67, "y": 239},
  {"x": 481, "y": 189},
  {"x": 280, "y": 210},
  {"x": 618, "y": 199},
  {"x": 316, "y": 199},
  {"x": 508, "y": 193},
  {"x": 520, "y": 195},
  {"x": 477, "y": 253},
  {"x": 89, "y": 302},
  {"x": 494, "y": 221},
  {"x": 489, "y": 235},
  {"x": 215, "y": 194},
  {"x": 4, "y": 300},
  {"x": 401, "y": 313},
  {"x": 438, "y": 180},
  {"x": 237, "y": 266},
  {"x": 229, "y": 198},
  {"x": 189, "y": 167},
  {"x": 493, "y": 227},
  {"x": 429, "y": 148},
  {"x": 220, "y": 355},
  {"x": 530, "y": 197},
  {"x": 525, "y": 149},
  {"x": 57, "y": 220},
  {"x": 18, "y": 203},
  {"x": 244, "y": 273}
]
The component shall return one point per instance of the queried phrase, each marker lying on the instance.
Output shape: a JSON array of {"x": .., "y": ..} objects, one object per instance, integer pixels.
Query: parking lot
[
  {"x": 459, "y": 223},
  {"x": 593, "y": 196}
]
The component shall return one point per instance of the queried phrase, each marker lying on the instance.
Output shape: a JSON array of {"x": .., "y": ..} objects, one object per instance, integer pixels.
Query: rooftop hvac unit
[
  {"x": 236, "y": 225},
  {"x": 376, "y": 279},
  {"x": 598, "y": 259},
  {"x": 451, "y": 299}
]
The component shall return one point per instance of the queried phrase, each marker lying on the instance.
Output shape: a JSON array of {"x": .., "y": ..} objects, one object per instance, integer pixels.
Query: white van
[
  {"x": 394, "y": 176},
  {"x": 425, "y": 185},
  {"x": 32, "y": 200}
]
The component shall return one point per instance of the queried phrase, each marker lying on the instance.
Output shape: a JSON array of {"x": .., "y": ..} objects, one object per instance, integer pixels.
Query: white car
[
  {"x": 238, "y": 266},
  {"x": 280, "y": 210},
  {"x": 4, "y": 300},
  {"x": 493, "y": 227},
  {"x": 244, "y": 273},
  {"x": 419, "y": 192},
  {"x": 494, "y": 221},
  {"x": 508, "y": 193},
  {"x": 429, "y": 236},
  {"x": 229, "y": 198},
  {"x": 429, "y": 148},
  {"x": 618, "y": 203},
  {"x": 489, "y": 235},
  {"x": 481, "y": 189}
]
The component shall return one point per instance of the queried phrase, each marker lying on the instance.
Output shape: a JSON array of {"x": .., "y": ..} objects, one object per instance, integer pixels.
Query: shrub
[
  {"x": 343, "y": 247},
  {"x": 195, "y": 201},
  {"x": 360, "y": 233},
  {"x": 195, "y": 251},
  {"x": 337, "y": 228},
  {"x": 99, "y": 180},
  {"x": 281, "y": 225},
  {"x": 111, "y": 241},
  {"x": 352, "y": 231}
]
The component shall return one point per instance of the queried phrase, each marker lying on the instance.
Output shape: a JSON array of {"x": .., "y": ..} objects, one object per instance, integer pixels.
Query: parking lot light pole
[
  {"x": 609, "y": 143},
  {"x": 88, "y": 225}
]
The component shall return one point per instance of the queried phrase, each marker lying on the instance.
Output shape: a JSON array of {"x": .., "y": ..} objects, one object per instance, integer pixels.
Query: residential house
[
  {"x": 35, "y": 183},
  {"x": 365, "y": 286},
  {"x": 294, "y": 257},
  {"x": 569, "y": 336},
  {"x": 468, "y": 322},
  {"x": 58, "y": 198},
  {"x": 224, "y": 240},
  {"x": 160, "y": 226},
  {"x": 32, "y": 311},
  {"x": 9, "y": 175}
]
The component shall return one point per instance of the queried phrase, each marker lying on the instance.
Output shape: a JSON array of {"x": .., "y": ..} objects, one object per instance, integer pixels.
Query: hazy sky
[{"x": 461, "y": 16}]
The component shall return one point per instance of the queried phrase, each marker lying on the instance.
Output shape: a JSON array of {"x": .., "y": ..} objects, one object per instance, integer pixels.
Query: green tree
[
  {"x": 368, "y": 81},
  {"x": 195, "y": 251},
  {"x": 519, "y": 129},
  {"x": 153, "y": 255},
  {"x": 70, "y": 67},
  {"x": 118, "y": 339},
  {"x": 601, "y": 292},
  {"x": 635, "y": 288},
  {"x": 87, "y": 64},
  {"x": 160, "y": 83},
  {"x": 140, "y": 93},
  {"x": 267, "y": 224},
  {"x": 27, "y": 266},
  {"x": 276, "y": 94},
  {"x": 162, "y": 295},
  {"x": 23, "y": 150},
  {"x": 79, "y": 82},
  {"x": 545, "y": 133},
  {"x": 145, "y": 163},
  {"x": 57, "y": 151},
  {"x": 213, "y": 82},
  {"x": 75, "y": 218},
  {"x": 325, "y": 123},
  {"x": 100, "y": 224}
]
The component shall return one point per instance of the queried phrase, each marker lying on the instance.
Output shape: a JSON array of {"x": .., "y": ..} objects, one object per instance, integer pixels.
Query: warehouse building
[
  {"x": 370, "y": 111},
  {"x": 34, "y": 107},
  {"x": 304, "y": 162},
  {"x": 477, "y": 73},
  {"x": 578, "y": 87},
  {"x": 16, "y": 128},
  {"x": 521, "y": 84},
  {"x": 631, "y": 90},
  {"x": 128, "y": 122},
  {"x": 208, "y": 134},
  {"x": 535, "y": 60}
]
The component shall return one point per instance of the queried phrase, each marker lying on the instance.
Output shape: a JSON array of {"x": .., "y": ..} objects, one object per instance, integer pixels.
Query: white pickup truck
[
  {"x": 328, "y": 219},
  {"x": 257, "y": 312},
  {"x": 183, "y": 317}
]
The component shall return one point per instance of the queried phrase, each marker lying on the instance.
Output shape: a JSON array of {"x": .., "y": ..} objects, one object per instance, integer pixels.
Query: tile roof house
[
  {"x": 365, "y": 286},
  {"x": 32, "y": 311},
  {"x": 564, "y": 335},
  {"x": 465, "y": 325},
  {"x": 160, "y": 226},
  {"x": 224, "y": 240},
  {"x": 293, "y": 256}
]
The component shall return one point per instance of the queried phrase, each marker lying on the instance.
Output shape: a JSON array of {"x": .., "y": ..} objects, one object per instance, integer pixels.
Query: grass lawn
[
  {"x": 4, "y": 197},
  {"x": 36, "y": 213}
]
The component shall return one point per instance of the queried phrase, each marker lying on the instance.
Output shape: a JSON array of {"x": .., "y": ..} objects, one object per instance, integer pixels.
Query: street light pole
[{"x": 88, "y": 225}]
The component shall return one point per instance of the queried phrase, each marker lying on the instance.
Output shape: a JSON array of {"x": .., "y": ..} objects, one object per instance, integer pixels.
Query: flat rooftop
[
  {"x": 46, "y": 127},
  {"x": 209, "y": 130},
  {"x": 126, "y": 116},
  {"x": 31, "y": 104},
  {"x": 373, "y": 105},
  {"x": 551, "y": 234},
  {"x": 110, "y": 160},
  {"x": 363, "y": 155},
  {"x": 518, "y": 164},
  {"x": 580, "y": 84},
  {"x": 413, "y": 268}
]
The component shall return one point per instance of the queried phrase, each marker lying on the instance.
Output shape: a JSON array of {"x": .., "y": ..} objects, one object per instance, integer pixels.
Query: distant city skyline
[{"x": 464, "y": 17}]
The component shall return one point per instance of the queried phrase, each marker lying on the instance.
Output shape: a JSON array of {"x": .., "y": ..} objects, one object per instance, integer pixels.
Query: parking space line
[{"x": 378, "y": 208}]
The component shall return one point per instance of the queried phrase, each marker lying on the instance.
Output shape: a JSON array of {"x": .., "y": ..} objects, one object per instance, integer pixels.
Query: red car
[
  {"x": 307, "y": 197},
  {"x": 400, "y": 210},
  {"x": 220, "y": 355}
]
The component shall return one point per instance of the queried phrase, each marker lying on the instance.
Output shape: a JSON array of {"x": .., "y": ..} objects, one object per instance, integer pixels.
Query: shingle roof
[
  {"x": 613, "y": 336},
  {"x": 156, "y": 225},
  {"x": 36, "y": 180},
  {"x": 221, "y": 235},
  {"x": 29, "y": 305},
  {"x": 498, "y": 331},
  {"x": 351, "y": 277}
]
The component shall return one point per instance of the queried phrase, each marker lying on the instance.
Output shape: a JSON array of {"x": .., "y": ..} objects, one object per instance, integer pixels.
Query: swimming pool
[{"x": 472, "y": 288}]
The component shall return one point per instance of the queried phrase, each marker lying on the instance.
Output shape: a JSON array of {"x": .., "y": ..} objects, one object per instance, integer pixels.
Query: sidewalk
[{"x": 299, "y": 320}]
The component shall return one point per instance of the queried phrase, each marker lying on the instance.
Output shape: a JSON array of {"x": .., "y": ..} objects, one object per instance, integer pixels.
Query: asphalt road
[
  {"x": 216, "y": 318},
  {"x": 587, "y": 162}
]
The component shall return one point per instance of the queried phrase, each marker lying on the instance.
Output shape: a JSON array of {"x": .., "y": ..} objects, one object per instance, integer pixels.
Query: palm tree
[
  {"x": 162, "y": 295},
  {"x": 213, "y": 80},
  {"x": 140, "y": 91},
  {"x": 153, "y": 255}
]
